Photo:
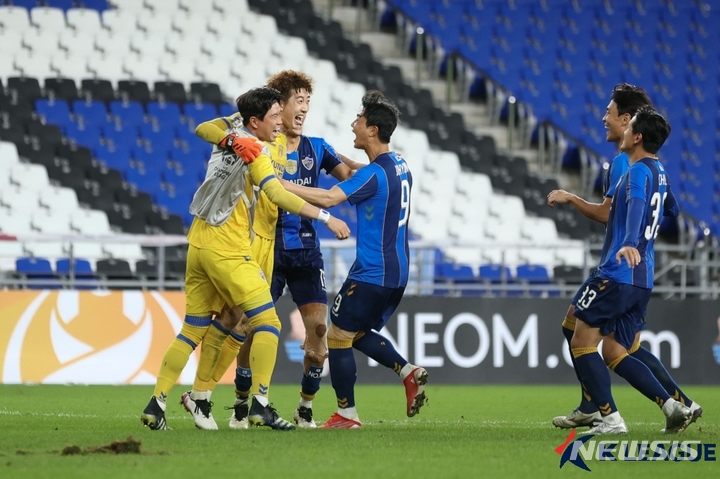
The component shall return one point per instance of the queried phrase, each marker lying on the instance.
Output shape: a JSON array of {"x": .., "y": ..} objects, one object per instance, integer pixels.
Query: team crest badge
[
  {"x": 308, "y": 162},
  {"x": 291, "y": 166}
]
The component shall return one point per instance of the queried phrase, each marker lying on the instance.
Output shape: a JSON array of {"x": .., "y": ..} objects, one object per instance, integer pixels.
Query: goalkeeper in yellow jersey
[{"x": 220, "y": 268}]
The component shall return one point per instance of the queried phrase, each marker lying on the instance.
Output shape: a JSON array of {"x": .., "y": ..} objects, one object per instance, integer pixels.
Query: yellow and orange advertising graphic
[{"x": 89, "y": 337}]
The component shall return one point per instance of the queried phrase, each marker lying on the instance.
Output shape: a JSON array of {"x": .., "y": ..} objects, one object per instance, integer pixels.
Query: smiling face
[
  {"x": 295, "y": 110},
  {"x": 629, "y": 139},
  {"x": 269, "y": 127},
  {"x": 615, "y": 123},
  {"x": 360, "y": 128}
]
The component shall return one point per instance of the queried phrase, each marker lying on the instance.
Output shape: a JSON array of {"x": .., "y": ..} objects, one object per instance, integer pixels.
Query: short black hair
[
  {"x": 381, "y": 113},
  {"x": 257, "y": 102},
  {"x": 629, "y": 98},
  {"x": 653, "y": 127}
]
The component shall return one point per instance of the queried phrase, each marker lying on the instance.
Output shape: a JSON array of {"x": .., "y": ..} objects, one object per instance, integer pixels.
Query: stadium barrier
[{"x": 119, "y": 337}]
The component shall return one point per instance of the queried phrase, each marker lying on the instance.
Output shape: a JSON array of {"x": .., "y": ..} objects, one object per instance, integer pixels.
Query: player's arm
[
  {"x": 219, "y": 132},
  {"x": 350, "y": 163},
  {"x": 263, "y": 175},
  {"x": 595, "y": 211},
  {"x": 636, "y": 201},
  {"x": 362, "y": 185},
  {"x": 671, "y": 208}
]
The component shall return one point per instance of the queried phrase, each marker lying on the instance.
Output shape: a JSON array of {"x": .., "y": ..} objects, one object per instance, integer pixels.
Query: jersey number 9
[{"x": 404, "y": 203}]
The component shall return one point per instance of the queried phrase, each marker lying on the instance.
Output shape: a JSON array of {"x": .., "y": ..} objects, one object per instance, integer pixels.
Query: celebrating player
[
  {"x": 377, "y": 279},
  {"x": 221, "y": 270},
  {"x": 613, "y": 301},
  {"x": 625, "y": 101}
]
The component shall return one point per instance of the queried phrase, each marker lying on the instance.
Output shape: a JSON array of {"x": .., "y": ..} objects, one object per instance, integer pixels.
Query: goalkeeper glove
[{"x": 246, "y": 148}]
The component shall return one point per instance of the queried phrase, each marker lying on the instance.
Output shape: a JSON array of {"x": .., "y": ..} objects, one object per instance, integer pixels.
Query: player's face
[
  {"x": 294, "y": 112},
  {"x": 614, "y": 123},
  {"x": 629, "y": 138},
  {"x": 359, "y": 127},
  {"x": 269, "y": 127}
]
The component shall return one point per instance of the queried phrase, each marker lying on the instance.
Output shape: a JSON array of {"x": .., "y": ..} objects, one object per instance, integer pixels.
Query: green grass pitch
[{"x": 464, "y": 432}]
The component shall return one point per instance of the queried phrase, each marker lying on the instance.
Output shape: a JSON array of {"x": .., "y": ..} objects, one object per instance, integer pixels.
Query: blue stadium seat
[
  {"x": 125, "y": 136},
  {"x": 91, "y": 112},
  {"x": 29, "y": 4},
  {"x": 159, "y": 138},
  {"x": 188, "y": 159},
  {"x": 114, "y": 157},
  {"x": 99, "y": 5},
  {"x": 180, "y": 179},
  {"x": 87, "y": 135},
  {"x": 63, "y": 4},
  {"x": 167, "y": 114},
  {"x": 128, "y": 112},
  {"x": 53, "y": 111},
  {"x": 36, "y": 269},
  {"x": 176, "y": 204},
  {"x": 82, "y": 270},
  {"x": 226, "y": 109},
  {"x": 150, "y": 158},
  {"x": 197, "y": 113},
  {"x": 148, "y": 180}
]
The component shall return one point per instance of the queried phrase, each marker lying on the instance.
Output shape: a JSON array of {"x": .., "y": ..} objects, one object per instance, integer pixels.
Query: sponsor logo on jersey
[
  {"x": 291, "y": 166},
  {"x": 308, "y": 162}
]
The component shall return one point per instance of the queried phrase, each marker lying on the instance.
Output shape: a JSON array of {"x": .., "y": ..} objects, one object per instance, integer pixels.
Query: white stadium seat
[
  {"x": 135, "y": 6},
  {"x": 77, "y": 43},
  {"x": 48, "y": 19},
  {"x": 29, "y": 176},
  {"x": 150, "y": 46},
  {"x": 183, "y": 46},
  {"x": 41, "y": 41},
  {"x": 68, "y": 65},
  {"x": 188, "y": 25},
  {"x": 105, "y": 67},
  {"x": 91, "y": 222},
  {"x": 58, "y": 199},
  {"x": 8, "y": 156},
  {"x": 114, "y": 44},
  {"x": 11, "y": 40},
  {"x": 162, "y": 7},
  {"x": 154, "y": 25},
  {"x": 120, "y": 21},
  {"x": 48, "y": 222},
  {"x": 141, "y": 68},
  {"x": 14, "y": 18},
  {"x": 34, "y": 65},
  {"x": 9, "y": 252},
  {"x": 84, "y": 20},
  {"x": 14, "y": 222}
]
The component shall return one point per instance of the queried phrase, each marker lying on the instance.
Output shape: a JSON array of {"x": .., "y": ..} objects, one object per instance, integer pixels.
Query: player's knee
[
  {"x": 242, "y": 328},
  {"x": 266, "y": 321},
  {"x": 338, "y": 338}
]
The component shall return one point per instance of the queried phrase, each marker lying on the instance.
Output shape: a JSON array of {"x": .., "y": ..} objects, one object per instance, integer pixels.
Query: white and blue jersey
[
  {"x": 302, "y": 168},
  {"x": 381, "y": 193},
  {"x": 645, "y": 184},
  {"x": 617, "y": 169}
]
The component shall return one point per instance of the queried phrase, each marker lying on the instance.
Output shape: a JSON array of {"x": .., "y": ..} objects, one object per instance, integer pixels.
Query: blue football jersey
[
  {"x": 380, "y": 192},
  {"x": 648, "y": 181},
  {"x": 617, "y": 169},
  {"x": 303, "y": 167}
]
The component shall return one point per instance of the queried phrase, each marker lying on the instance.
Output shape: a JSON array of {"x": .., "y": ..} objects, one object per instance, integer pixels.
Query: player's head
[
  {"x": 625, "y": 101},
  {"x": 377, "y": 120},
  {"x": 648, "y": 130},
  {"x": 295, "y": 88},
  {"x": 261, "y": 112}
]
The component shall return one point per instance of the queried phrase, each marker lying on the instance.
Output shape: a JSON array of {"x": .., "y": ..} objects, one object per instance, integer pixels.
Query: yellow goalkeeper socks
[
  {"x": 229, "y": 353},
  {"x": 177, "y": 354},
  {"x": 263, "y": 355},
  {"x": 209, "y": 355}
]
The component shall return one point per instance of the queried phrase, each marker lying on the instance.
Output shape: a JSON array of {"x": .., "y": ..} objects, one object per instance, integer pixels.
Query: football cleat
[
  {"x": 679, "y": 418},
  {"x": 239, "y": 416},
  {"x": 605, "y": 428},
  {"x": 577, "y": 418},
  {"x": 304, "y": 418},
  {"x": 337, "y": 421},
  {"x": 696, "y": 414},
  {"x": 201, "y": 411},
  {"x": 153, "y": 416},
  {"x": 260, "y": 415},
  {"x": 415, "y": 390}
]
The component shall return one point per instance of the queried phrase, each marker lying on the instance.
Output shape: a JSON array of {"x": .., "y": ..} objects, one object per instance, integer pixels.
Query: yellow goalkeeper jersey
[
  {"x": 234, "y": 235},
  {"x": 266, "y": 213}
]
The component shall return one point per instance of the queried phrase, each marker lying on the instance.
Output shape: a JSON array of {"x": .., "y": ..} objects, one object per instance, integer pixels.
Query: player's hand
[
  {"x": 559, "y": 197},
  {"x": 631, "y": 255},
  {"x": 339, "y": 228},
  {"x": 246, "y": 148}
]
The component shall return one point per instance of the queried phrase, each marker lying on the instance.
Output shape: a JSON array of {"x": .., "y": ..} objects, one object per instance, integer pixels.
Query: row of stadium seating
[
  {"x": 128, "y": 150},
  {"x": 563, "y": 58}
]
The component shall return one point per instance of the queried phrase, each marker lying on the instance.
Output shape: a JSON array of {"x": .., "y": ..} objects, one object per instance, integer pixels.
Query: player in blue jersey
[
  {"x": 625, "y": 101},
  {"x": 613, "y": 301},
  {"x": 377, "y": 278}
]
